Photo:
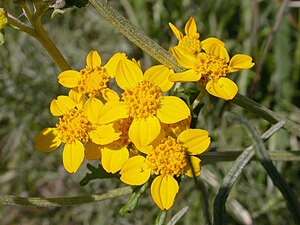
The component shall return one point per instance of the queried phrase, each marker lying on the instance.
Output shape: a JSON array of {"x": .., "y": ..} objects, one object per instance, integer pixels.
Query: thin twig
[{"x": 63, "y": 201}]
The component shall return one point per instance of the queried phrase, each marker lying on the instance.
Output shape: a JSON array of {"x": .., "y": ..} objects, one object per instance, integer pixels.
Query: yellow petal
[
  {"x": 69, "y": 78},
  {"x": 164, "y": 189},
  {"x": 111, "y": 65},
  {"x": 186, "y": 76},
  {"x": 177, "y": 33},
  {"x": 112, "y": 111},
  {"x": 47, "y": 140},
  {"x": 110, "y": 95},
  {"x": 195, "y": 167},
  {"x": 62, "y": 105},
  {"x": 92, "y": 151},
  {"x": 183, "y": 57},
  {"x": 128, "y": 74},
  {"x": 214, "y": 46},
  {"x": 135, "y": 171},
  {"x": 239, "y": 62},
  {"x": 195, "y": 140},
  {"x": 78, "y": 98},
  {"x": 73, "y": 155},
  {"x": 172, "y": 110},
  {"x": 143, "y": 131},
  {"x": 92, "y": 108},
  {"x": 191, "y": 27},
  {"x": 112, "y": 160},
  {"x": 93, "y": 59},
  {"x": 222, "y": 88},
  {"x": 159, "y": 76},
  {"x": 104, "y": 134}
]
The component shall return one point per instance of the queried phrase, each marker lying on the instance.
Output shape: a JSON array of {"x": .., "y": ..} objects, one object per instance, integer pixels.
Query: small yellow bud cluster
[{"x": 3, "y": 18}]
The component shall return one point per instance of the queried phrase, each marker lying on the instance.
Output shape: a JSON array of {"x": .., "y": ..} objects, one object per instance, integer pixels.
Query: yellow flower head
[
  {"x": 91, "y": 80},
  {"x": 210, "y": 66},
  {"x": 143, "y": 101},
  {"x": 3, "y": 18},
  {"x": 190, "y": 41},
  {"x": 74, "y": 130},
  {"x": 167, "y": 160}
]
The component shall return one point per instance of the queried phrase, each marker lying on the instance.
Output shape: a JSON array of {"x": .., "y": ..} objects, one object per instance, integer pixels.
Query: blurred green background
[{"x": 28, "y": 82}]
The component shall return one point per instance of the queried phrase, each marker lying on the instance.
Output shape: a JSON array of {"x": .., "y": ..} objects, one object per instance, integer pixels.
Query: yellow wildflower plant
[
  {"x": 190, "y": 41},
  {"x": 210, "y": 67},
  {"x": 3, "y": 18},
  {"x": 144, "y": 102},
  {"x": 168, "y": 160},
  {"x": 74, "y": 130},
  {"x": 93, "y": 80}
]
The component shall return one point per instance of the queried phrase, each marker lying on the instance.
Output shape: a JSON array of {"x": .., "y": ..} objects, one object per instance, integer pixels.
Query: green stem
[
  {"x": 265, "y": 113},
  {"x": 134, "y": 34},
  {"x": 63, "y": 201},
  {"x": 161, "y": 218},
  {"x": 160, "y": 54},
  {"x": 45, "y": 40},
  {"x": 21, "y": 26}
]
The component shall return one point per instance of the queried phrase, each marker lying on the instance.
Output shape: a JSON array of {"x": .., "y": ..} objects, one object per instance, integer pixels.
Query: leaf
[
  {"x": 96, "y": 173},
  {"x": 2, "y": 40}
]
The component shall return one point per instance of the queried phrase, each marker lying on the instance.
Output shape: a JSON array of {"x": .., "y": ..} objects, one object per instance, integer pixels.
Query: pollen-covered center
[
  {"x": 74, "y": 126},
  {"x": 168, "y": 158},
  {"x": 211, "y": 67},
  {"x": 191, "y": 43},
  {"x": 93, "y": 80},
  {"x": 143, "y": 100}
]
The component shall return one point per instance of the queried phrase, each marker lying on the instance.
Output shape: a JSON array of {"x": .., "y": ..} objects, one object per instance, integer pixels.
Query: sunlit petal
[
  {"x": 110, "y": 95},
  {"x": 47, "y": 140},
  {"x": 78, "y": 98},
  {"x": 112, "y": 160},
  {"x": 186, "y": 76},
  {"x": 164, "y": 189},
  {"x": 128, "y": 74},
  {"x": 135, "y": 171},
  {"x": 111, "y": 65},
  {"x": 93, "y": 59},
  {"x": 143, "y": 131},
  {"x": 177, "y": 33},
  {"x": 195, "y": 167},
  {"x": 112, "y": 111},
  {"x": 222, "y": 88},
  {"x": 92, "y": 108},
  {"x": 159, "y": 76},
  {"x": 239, "y": 62},
  {"x": 190, "y": 27},
  {"x": 73, "y": 155},
  {"x": 183, "y": 57},
  {"x": 172, "y": 110},
  {"x": 216, "y": 47},
  {"x": 195, "y": 140},
  {"x": 62, "y": 105},
  {"x": 69, "y": 78},
  {"x": 104, "y": 134}
]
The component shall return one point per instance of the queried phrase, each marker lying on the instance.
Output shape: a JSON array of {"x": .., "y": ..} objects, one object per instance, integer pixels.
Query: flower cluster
[
  {"x": 135, "y": 128},
  {"x": 207, "y": 62}
]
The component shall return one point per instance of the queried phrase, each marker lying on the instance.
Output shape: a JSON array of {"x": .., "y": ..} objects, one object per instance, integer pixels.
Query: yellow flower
[
  {"x": 208, "y": 66},
  {"x": 190, "y": 41},
  {"x": 144, "y": 102},
  {"x": 92, "y": 80},
  {"x": 74, "y": 130},
  {"x": 168, "y": 160}
]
